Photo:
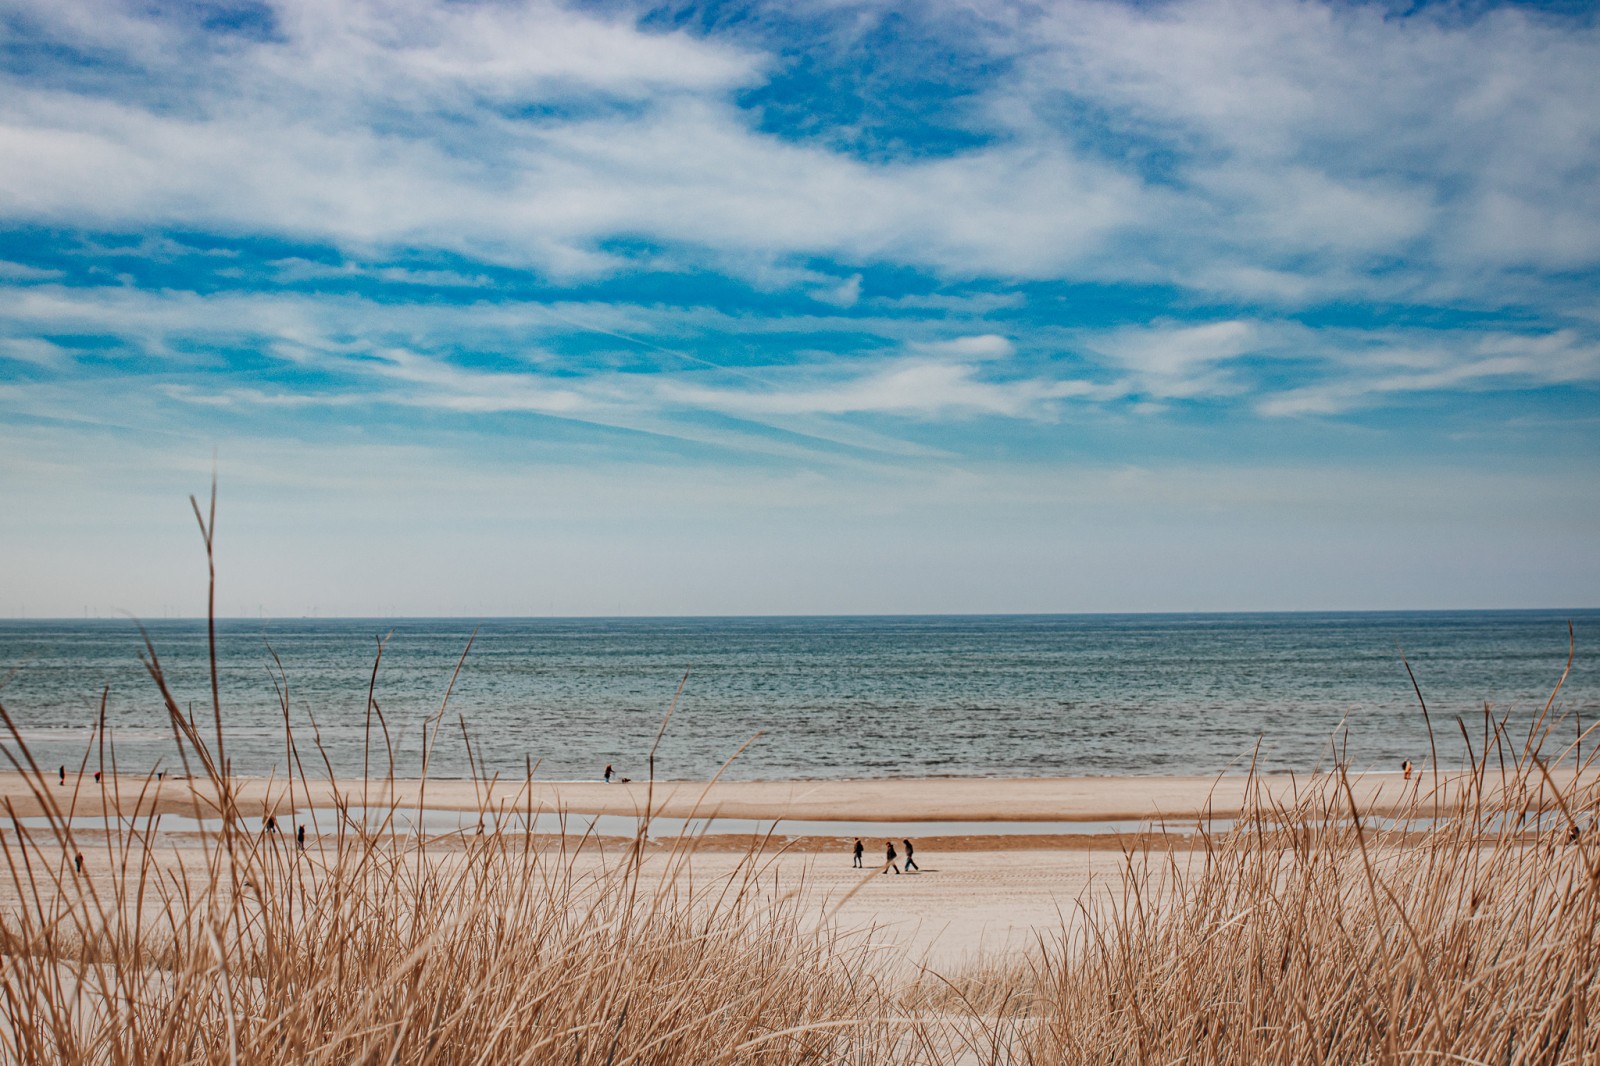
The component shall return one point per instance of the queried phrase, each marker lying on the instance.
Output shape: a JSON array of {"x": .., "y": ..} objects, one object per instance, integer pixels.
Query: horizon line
[{"x": 140, "y": 620}]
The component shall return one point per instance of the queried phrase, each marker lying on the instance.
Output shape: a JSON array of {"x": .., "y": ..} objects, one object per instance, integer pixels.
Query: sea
[{"x": 802, "y": 698}]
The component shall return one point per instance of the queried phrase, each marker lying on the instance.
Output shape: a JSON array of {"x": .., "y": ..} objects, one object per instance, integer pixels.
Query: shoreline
[{"x": 972, "y": 802}]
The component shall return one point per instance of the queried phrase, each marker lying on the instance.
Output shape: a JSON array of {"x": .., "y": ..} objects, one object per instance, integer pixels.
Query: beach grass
[{"x": 1466, "y": 931}]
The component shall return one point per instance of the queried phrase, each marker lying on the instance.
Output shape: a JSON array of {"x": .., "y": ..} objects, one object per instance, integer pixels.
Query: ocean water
[{"x": 995, "y": 696}]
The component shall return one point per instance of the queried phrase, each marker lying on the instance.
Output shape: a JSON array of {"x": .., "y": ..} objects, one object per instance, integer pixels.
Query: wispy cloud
[
  {"x": 1389, "y": 366},
  {"x": 348, "y": 127},
  {"x": 1278, "y": 148},
  {"x": 816, "y": 249},
  {"x": 1178, "y": 361},
  {"x": 908, "y": 387},
  {"x": 23, "y": 272},
  {"x": 517, "y": 356},
  {"x": 1311, "y": 137}
]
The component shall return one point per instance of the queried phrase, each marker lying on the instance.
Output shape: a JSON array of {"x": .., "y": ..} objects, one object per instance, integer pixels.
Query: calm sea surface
[{"x": 829, "y": 697}]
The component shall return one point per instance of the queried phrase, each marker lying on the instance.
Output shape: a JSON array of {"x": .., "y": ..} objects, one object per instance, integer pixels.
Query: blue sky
[{"x": 497, "y": 308}]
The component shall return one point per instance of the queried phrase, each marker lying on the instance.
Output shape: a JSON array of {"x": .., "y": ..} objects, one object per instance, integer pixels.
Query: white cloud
[
  {"x": 244, "y": 398},
  {"x": 912, "y": 387},
  {"x": 1313, "y": 138},
  {"x": 976, "y": 347},
  {"x": 22, "y": 272},
  {"x": 370, "y": 350},
  {"x": 292, "y": 325},
  {"x": 295, "y": 269},
  {"x": 410, "y": 353},
  {"x": 1306, "y": 144},
  {"x": 34, "y": 350},
  {"x": 369, "y": 130},
  {"x": 347, "y": 352},
  {"x": 1170, "y": 361},
  {"x": 956, "y": 304},
  {"x": 1295, "y": 206},
  {"x": 1387, "y": 365},
  {"x": 1173, "y": 349},
  {"x": 514, "y": 53},
  {"x": 844, "y": 294},
  {"x": 442, "y": 385}
]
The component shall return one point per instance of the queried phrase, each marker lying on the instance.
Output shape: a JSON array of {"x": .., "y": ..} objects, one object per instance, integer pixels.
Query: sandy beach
[{"x": 1001, "y": 861}]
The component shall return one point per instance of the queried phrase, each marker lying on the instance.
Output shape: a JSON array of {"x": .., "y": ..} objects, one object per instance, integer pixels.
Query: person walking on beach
[
  {"x": 63, "y": 773},
  {"x": 608, "y": 773},
  {"x": 910, "y": 863},
  {"x": 859, "y": 851},
  {"x": 300, "y": 837},
  {"x": 1406, "y": 767},
  {"x": 888, "y": 863}
]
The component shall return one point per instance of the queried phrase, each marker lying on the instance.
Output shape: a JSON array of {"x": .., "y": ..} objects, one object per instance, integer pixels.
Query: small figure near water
[
  {"x": 608, "y": 773},
  {"x": 860, "y": 849},
  {"x": 300, "y": 837},
  {"x": 97, "y": 777},
  {"x": 63, "y": 773},
  {"x": 910, "y": 863},
  {"x": 77, "y": 862},
  {"x": 888, "y": 863},
  {"x": 272, "y": 824},
  {"x": 1406, "y": 767}
]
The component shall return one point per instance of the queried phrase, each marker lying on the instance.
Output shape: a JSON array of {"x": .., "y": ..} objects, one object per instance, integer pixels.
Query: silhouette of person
[
  {"x": 272, "y": 823},
  {"x": 910, "y": 863},
  {"x": 608, "y": 773},
  {"x": 77, "y": 862},
  {"x": 859, "y": 850},
  {"x": 97, "y": 777},
  {"x": 63, "y": 773},
  {"x": 1406, "y": 766},
  {"x": 888, "y": 862},
  {"x": 300, "y": 837}
]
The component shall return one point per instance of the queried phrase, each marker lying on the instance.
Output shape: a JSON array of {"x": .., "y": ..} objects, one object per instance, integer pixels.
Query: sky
[{"x": 495, "y": 308}]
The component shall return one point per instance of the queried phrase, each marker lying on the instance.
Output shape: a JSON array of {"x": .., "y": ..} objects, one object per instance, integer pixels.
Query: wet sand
[{"x": 890, "y": 800}]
